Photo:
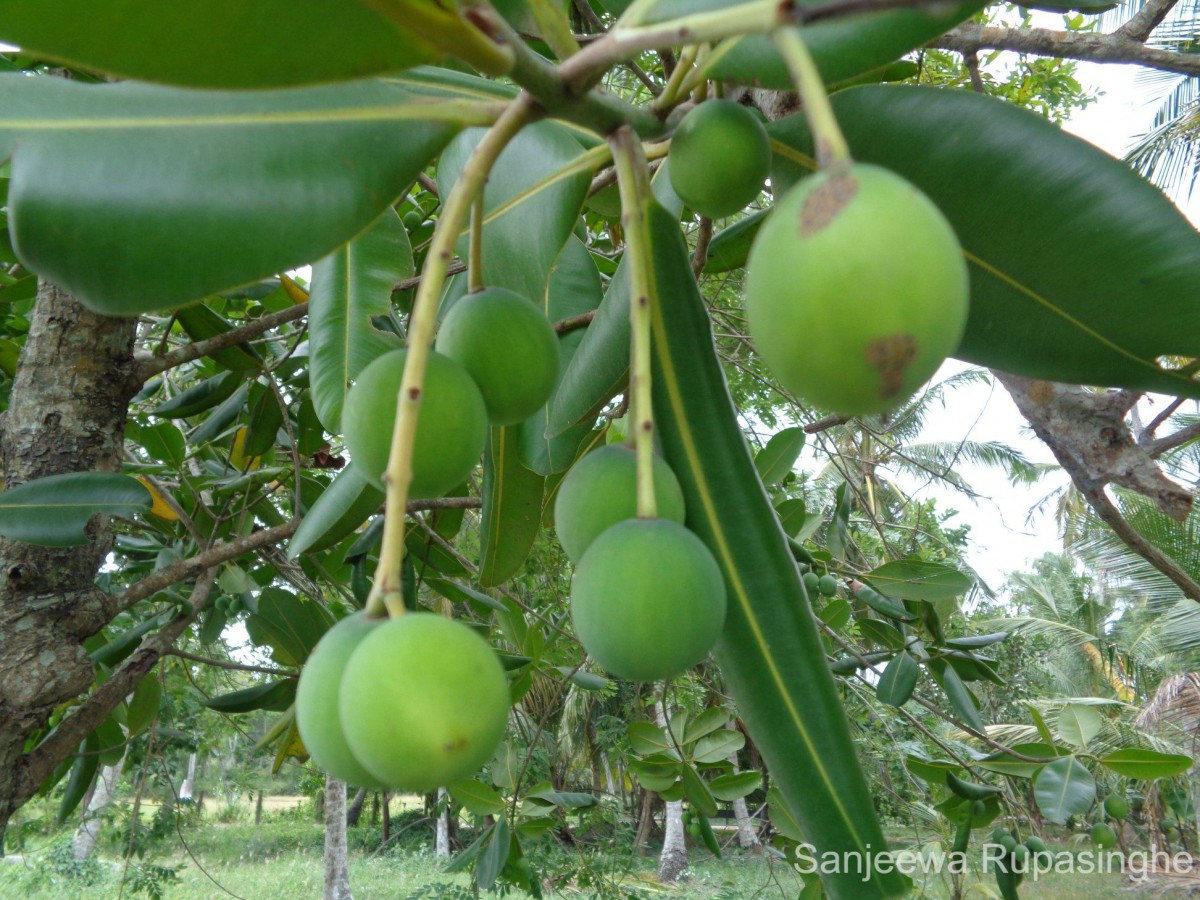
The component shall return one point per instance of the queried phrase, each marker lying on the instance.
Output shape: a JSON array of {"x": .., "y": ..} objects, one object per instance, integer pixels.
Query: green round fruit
[
  {"x": 601, "y": 490},
  {"x": 856, "y": 290},
  {"x": 423, "y": 702},
  {"x": 647, "y": 599},
  {"x": 413, "y": 219},
  {"x": 509, "y": 347},
  {"x": 1116, "y": 807},
  {"x": 1008, "y": 842},
  {"x": 693, "y": 828},
  {"x": 828, "y": 585},
  {"x": 720, "y": 157},
  {"x": 812, "y": 584},
  {"x": 999, "y": 834},
  {"x": 317, "y": 701},
  {"x": 1035, "y": 844},
  {"x": 1103, "y": 836},
  {"x": 452, "y": 427}
]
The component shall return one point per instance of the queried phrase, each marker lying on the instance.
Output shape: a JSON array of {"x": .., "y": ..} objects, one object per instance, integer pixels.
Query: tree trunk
[
  {"x": 645, "y": 821},
  {"x": 337, "y": 870},
  {"x": 747, "y": 834},
  {"x": 387, "y": 819},
  {"x": 442, "y": 847},
  {"x": 66, "y": 414},
  {"x": 84, "y": 841},
  {"x": 674, "y": 857},
  {"x": 189, "y": 783},
  {"x": 258, "y": 801},
  {"x": 354, "y": 813}
]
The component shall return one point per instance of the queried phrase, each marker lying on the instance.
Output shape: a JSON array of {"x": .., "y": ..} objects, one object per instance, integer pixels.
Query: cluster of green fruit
[
  {"x": 647, "y": 597},
  {"x": 495, "y": 360},
  {"x": 825, "y": 585},
  {"x": 856, "y": 285},
  {"x": 231, "y": 606},
  {"x": 412, "y": 703}
]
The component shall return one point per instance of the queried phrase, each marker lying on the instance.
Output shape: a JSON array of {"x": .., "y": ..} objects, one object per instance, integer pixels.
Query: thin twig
[{"x": 229, "y": 664}]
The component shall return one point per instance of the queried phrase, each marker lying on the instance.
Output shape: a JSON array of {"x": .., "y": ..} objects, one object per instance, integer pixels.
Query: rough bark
[
  {"x": 354, "y": 813},
  {"x": 84, "y": 840},
  {"x": 66, "y": 414},
  {"x": 674, "y": 857},
  {"x": 337, "y": 870}
]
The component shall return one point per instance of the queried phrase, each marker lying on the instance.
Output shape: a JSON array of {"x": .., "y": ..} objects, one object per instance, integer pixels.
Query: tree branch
[
  {"x": 229, "y": 664},
  {"x": 1171, "y": 441},
  {"x": 971, "y": 37},
  {"x": 1146, "y": 19}
]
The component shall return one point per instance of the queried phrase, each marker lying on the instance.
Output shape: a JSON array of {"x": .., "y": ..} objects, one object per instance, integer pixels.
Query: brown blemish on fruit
[
  {"x": 825, "y": 202},
  {"x": 891, "y": 355},
  {"x": 455, "y": 746}
]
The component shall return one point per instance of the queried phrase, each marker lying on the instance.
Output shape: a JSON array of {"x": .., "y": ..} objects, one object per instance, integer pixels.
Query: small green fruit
[
  {"x": 1103, "y": 836},
  {"x": 1116, "y": 807},
  {"x": 452, "y": 426},
  {"x": 509, "y": 347},
  {"x": 720, "y": 157},
  {"x": 648, "y": 600},
  {"x": 856, "y": 290},
  {"x": 601, "y": 490},
  {"x": 693, "y": 828},
  {"x": 812, "y": 584},
  {"x": 828, "y": 585},
  {"x": 999, "y": 834},
  {"x": 1008, "y": 842},
  {"x": 1035, "y": 844},
  {"x": 317, "y": 701},
  {"x": 423, "y": 702}
]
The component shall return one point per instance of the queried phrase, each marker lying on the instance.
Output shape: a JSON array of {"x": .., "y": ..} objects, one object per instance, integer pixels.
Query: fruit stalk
[
  {"x": 830, "y": 144},
  {"x": 634, "y": 184},
  {"x": 387, "y": 591}
]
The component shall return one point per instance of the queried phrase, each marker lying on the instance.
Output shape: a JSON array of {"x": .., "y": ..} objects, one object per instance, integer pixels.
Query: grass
[{"x": 283, "y": 858}]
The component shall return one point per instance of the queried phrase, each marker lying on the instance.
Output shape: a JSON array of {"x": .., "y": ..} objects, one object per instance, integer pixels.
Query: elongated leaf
[
  {"x": 919, "y": 579},
  {"x": 54, "y": 511},
  {"x": 600, "y": 366},
  {"x": 1146, "y": 764},
  {"x": 136, "y": 197},
  {"x": 566, "y": 799},
  {"x": 512, "y": 508},
  {"x": 770, "y": 650},
  {"x": 647, "y": 739},
  {"x": 534, "y": 195},
  {"x": 781, "y": 815},
  {"x": 201, "y": 323},
  {"x": 841, "y": 48},
  {"x": 697, "y": 792},
  {"x": 349, "y": 287},
  {"x": 162, "y": 441},
  {"x": 200, "y": 397},
  {"x": 83, "y": 770},
  {"x": 656, "y": 773},
  {"x": 1017, "y": 190},
  {"x": 774, "y": 462},
  {"x": 706, "y": 723},
  {"x": 274, "y": 695},
  {"x": 343, "y": 506},
  {"x": 736, "y": 785},
  {"x": 961, "y": 700},
  {"x": 264, "y": 44},
  {"x": 715, "y": 747},
  {"x": 290, "y": 625},
  {"x": 493, "y": 854},
  {"x": 573, "y": 289},
  {"x": 1064, "y": 788},
  {"x": 932, "y": 770},
  {"x": 1007, "y": 764},
  {"x": 478, "y": 798},
  {"x": 898, "y": 681},
  {"x": 731, "y": 247},
  {"x": 143, "y": 706}
]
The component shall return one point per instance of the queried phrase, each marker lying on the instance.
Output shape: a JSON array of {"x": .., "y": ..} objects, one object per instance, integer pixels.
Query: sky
[{"x": 1004, "y": 536}]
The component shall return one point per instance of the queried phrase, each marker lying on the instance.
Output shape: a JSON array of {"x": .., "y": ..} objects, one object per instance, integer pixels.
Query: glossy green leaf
[
  {"x": 83, "y": 771},
  {"x": 781, "y": 815},
  {"x": 731, "y": 247},
  {"x": 273, "y": 695},
  {"x": 842, "y": 48},
  {"x": 881, "y": 633},
  {"x": 697, "y": 792},
  {"x": 1039, "y": 722},
  {"x": 479, "y": 798},
  {"x": 898, "y": 681},
  {"x": 342, "y": 507},
  {"x": 919, "y": 579},
  {"x": 647, "y": 739},
  {"x": 736, "y": 785},
  {"x": 200, "y": 397},
  {"x": 162, "y": 441},
  {"x": 656, "y": 773},
  {"x": 1078, "y": 724},
  {"x": 600, "y": 365},
  {"x": 221, "y": 418},
  {"x": 1006, "y": 179},
  {"x": 220, "y": 43},
  {"x": 110, "y": 741},
  {"x": 54, "y": 511},
  {"x": 493, "y": 854},
  {"x": 350, "y": 287},
  {"x": 717, "y": 747},
  {"x": 201, "y": 324},
  {"x": 119, "y": 647},
  {"x": 533, "y": 198},
  {"x": 565, "y": 799},
  {"x": 774, "y": 462},
  {"x": 143, "y": 706},
  {"x": 289, "y": 624},
  {"x": 1146, "y": 764},
  {"x": 976, "y": 641},
  {"x": 931, "y": 770},
  {"x": 265, "y": 420},
  {"x": 1064, "y": 788},
  {"x": 962, "y": 701},
  {"x": 1007, "y": 764},
  {"x": 770, "y": 651},
  {"x": 705, "y": 723},
  {"x": 136, "y": 197},
  {"x": 836, "y": 613},
  {"x": 512, "y": 508},
  {"x": 460, "y": 593},
  {"x": 572, "y": 289}
]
